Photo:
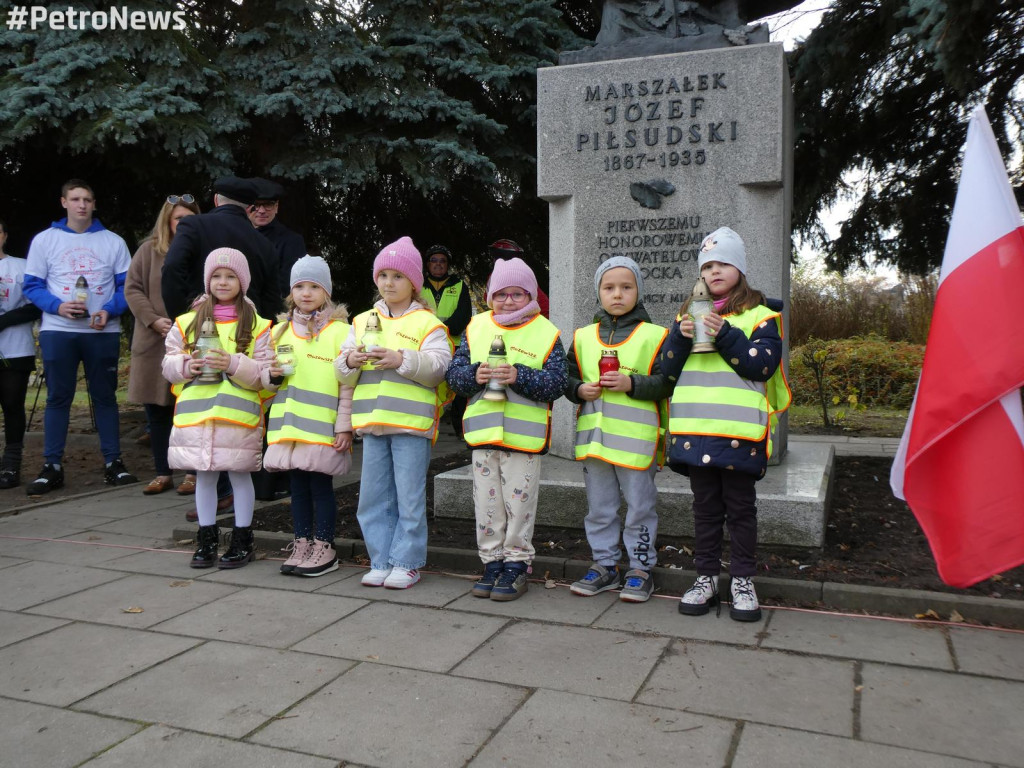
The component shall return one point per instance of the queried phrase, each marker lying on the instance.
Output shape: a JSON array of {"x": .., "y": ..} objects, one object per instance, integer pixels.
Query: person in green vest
[
  {"x": 448, "y": 296},
  {"x": 722, "y": 416},
  {"x": 513, "y": 354},
  {"x": 619, "y": 430},
  {"x": 218, "y": 424}
]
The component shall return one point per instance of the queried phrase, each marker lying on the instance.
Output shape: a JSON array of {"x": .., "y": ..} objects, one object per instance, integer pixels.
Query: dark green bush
[{"x": 861, "y": 371}]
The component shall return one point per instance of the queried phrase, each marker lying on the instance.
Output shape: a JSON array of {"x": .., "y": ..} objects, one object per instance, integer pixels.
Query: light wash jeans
[{"x": 393, "y": 500}]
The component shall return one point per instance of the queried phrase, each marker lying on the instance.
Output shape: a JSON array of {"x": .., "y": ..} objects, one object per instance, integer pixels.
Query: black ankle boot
[
  {"x": 240, "y": 551},
  {"x": 10, "y": 466},
  {"x": 207, "y": 539}
]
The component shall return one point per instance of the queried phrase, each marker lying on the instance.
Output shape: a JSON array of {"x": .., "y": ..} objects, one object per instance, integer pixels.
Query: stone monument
[{"x": 643, "y": 157}]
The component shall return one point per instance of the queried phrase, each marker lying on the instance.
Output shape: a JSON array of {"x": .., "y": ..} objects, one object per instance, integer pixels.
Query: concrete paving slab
[
  {"x": 160, "y": 598},
  {"x": 267, "y": 617},
  {"x": 213, "y": 688},
  {"x": 541, "y": 604},
  {"x": 49, "y": 524},
  {"x": 400, "y": 718},
  {"x": 267, "y": 573},
  {"x": 162, "y": 747},
  {"x": 173, "y": 562},
  {"x": 762, "y": 745},
  {"x": 593, "y": 662},
  {"x": 404, "y": 636},
  {"x": 77, "y": 660},
  {"x": 914, "y": 644},
  {"x": 156, "y": 523},
  {"x": 433, "y": 589},
  {"x": 662, "y": 615},
  {"x": 89, "y": 548},
  {"x": 7, "y": 562},
  {"x": 118, "y": 505},
  {"x": 988, "y": 652},
  {"x": 794, "y": 691},
  {"x": 36, "y": 583},
  {"x": 952, "y": 714},
  {"x": 18, "y": 626},
  {"x": 54, "y": 738},
  {"x": 555, "y": 728},
  {"x": 14, "y": 546}
]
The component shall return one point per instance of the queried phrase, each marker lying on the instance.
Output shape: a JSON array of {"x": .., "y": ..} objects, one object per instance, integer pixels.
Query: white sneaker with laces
[
  {"x": 375, "y": 577},
  {"x": 744, "y": 600},
  {"x": 401, "y": 578},
  {"x": 699, "y": 598}
]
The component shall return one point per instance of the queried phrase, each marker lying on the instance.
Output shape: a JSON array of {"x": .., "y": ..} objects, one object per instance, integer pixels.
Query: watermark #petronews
[{"x": 117, "y": 18}]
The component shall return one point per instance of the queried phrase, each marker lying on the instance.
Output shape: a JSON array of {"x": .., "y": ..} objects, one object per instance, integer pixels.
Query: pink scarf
[
  {"x": 518, "y": 317},
  {"x": 224, "y": 312}
]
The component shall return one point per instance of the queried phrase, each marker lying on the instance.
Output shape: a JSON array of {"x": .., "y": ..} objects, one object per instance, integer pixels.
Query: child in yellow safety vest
[
  {"x": 218, "y": 424},
  {"x": 508, "y": 421},
  {"x": 395, "y": 409},
  {"x": 619, "y": 430},
  {"x": 722, "y": 416},
  {"x": 309, "y": 432}
]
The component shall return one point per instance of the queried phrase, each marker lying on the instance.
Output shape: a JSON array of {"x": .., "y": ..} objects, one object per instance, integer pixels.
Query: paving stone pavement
[{"x": 113, "y": 652}]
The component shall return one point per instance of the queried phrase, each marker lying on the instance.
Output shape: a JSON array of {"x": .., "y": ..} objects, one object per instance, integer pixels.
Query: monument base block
[{"x": 792, "y": 500}]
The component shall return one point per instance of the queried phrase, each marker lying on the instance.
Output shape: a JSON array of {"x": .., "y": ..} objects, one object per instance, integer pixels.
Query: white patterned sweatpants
[{"x": 505, "y": 485}]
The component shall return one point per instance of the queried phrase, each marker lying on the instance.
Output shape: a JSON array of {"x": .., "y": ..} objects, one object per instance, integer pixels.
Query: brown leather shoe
[
  {"x": 187, "y": 487},
  {"x": 158, "y": 485},
  {"x": 225, "y": 506}
]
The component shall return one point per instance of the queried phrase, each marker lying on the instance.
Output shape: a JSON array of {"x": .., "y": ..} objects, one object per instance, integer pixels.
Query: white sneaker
[
  {"x": 401, "y": 578},
  {"x": 700, "y": 597},
  {"x": 375, "y": 577},
  {"x": 744, "y": 600}
]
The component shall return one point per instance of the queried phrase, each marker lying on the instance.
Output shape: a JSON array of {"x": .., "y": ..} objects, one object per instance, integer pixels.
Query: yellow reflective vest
[
  {"x": 449, "y": 300},
  {"x": 517, "y": 423},
  {"x": 617, "y": 428},
  {"x": 305, "y": 408},
  {"x": 386, "y": 398},
  {"x": 226, "y": 401},
  {"x": 710, "y": 398}
]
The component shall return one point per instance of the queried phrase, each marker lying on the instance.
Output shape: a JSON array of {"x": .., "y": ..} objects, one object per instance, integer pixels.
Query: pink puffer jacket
[
  {"x": 216, "y": 445},
  {"x": 286, "y": 455}
]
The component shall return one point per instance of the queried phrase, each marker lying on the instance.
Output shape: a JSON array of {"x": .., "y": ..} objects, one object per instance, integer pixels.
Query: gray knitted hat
[
  {"x": 725, "y": 246},
  {"x": 620, "y": 261},
  {"x": 314, "y": 270}
]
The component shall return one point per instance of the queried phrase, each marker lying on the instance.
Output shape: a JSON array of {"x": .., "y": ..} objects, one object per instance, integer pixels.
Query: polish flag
[{"x": 960, "y": 464}]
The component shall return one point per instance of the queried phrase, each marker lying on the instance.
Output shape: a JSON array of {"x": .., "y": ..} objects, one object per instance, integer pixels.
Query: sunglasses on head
[{"x": 175, "y": 199}]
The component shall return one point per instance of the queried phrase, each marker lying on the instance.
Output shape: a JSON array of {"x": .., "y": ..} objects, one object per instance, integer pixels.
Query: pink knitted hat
[
  {"x": 402, "y": 256},
  {"x": 509, "y": 273},
  {"x": 232, "y": 259}
]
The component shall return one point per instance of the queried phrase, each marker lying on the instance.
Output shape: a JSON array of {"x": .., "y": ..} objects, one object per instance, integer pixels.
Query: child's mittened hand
[
  {"x": 616, "y": 381},
  {"x": 342, "y": 441},
  {"x": 588, "y": 391},
  {"x": 686, "y": 326}
]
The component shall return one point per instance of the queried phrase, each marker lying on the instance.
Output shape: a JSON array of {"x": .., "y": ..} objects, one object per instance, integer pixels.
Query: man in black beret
[
  {"x": 226, "y": 226},
  {"x": 289, "y": 245}
]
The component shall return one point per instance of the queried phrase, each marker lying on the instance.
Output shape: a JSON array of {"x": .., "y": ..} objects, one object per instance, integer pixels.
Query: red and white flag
[{"x": 960, "y": 464}]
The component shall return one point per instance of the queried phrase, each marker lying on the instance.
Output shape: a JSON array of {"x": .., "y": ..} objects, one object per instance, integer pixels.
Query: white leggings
[{"x": 206, "y": 497}]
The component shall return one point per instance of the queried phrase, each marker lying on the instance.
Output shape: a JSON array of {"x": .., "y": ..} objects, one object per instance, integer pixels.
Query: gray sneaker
[
  {"x": 637, "y": 587},
  {"x": 598, "y": 579}
]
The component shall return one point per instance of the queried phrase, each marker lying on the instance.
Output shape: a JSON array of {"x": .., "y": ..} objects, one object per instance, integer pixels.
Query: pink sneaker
[
  {"x": 300, "y": 551},
  {"x": 401, "y": 578},
  {"x": 321, "y": 559}
]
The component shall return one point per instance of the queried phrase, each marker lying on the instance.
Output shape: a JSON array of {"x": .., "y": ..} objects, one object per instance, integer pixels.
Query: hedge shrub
[{"x": 872, "y": 370}]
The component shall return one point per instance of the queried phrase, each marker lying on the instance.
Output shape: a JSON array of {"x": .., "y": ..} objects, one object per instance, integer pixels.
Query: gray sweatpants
[{"x": 604, "y": 482}]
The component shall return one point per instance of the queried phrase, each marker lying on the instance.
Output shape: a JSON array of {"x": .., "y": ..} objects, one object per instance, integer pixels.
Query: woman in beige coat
[{"x": 145, "y": 384}]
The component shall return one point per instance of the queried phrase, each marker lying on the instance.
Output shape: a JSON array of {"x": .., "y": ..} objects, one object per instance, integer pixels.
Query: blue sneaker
[
  {"x": 637, "y": 587},
  {"x": 486, "y": 582},
  {"x": 511, "y": 583},
  {"x": 598, "y": 579}
]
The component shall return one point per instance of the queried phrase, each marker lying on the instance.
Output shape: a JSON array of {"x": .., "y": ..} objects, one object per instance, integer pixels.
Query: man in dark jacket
[
  {"x": 226, "y": 226},
  {"x": 289, "y": 245}
]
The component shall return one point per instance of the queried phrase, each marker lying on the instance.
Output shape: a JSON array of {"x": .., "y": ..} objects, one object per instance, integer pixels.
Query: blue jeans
[
  {"x": 393, "y": 500},
  {"x": 62, "y": 353}
]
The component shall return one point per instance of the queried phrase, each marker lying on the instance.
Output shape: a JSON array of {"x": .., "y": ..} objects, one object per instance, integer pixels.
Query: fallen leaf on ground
[
  {"x": 929, "y": 614},
  {"x": 183, "y": 542},
  {"x": 132, "y": 609},
  {"x": 549, "y": 584},
  {"x": 184, "y": 583},
  {"x": 956, "y": 617}
]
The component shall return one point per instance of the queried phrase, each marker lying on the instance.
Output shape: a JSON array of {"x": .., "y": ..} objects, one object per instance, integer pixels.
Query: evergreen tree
[{"x": 883, "y": 92}]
